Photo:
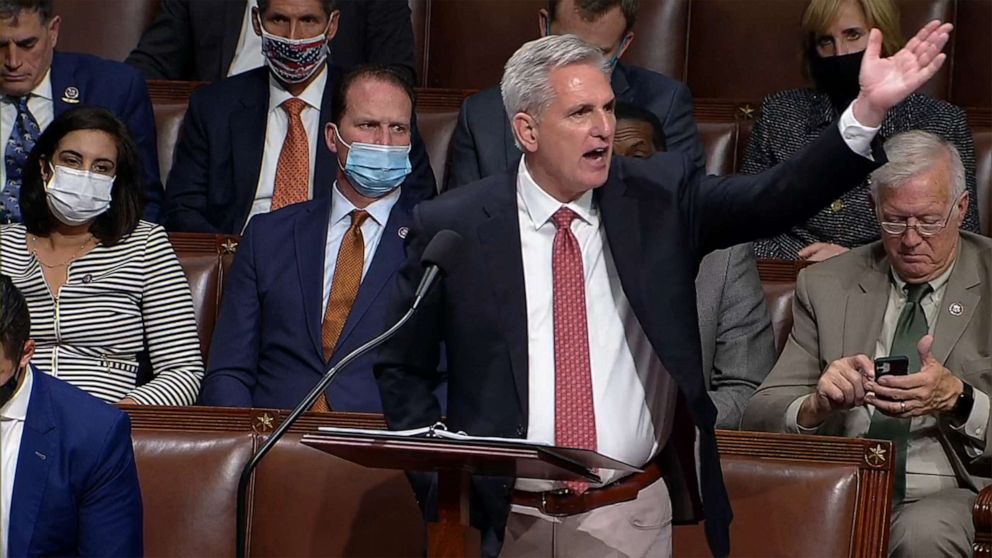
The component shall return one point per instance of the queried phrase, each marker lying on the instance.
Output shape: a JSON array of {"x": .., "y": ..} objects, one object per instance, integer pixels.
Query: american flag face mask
[{"x": 294, "y": 60}]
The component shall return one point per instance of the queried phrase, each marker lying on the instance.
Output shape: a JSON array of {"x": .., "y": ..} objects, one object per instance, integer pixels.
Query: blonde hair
[{"x": 820, "y": 14}]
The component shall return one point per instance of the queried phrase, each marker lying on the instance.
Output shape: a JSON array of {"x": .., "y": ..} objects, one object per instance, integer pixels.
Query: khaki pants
[
  {"x": 936, "y": 525},
  {"x": 641, "y": 527}
]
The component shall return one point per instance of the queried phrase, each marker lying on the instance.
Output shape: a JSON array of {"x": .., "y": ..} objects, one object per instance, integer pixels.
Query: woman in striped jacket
[{"x": 111, "y": 310}]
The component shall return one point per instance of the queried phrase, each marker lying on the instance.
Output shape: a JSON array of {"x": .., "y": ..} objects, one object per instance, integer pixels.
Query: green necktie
[{"x": 912, "y": 326}]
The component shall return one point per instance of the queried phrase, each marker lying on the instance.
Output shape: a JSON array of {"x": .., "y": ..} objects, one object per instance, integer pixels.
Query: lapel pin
[
  {"x": 956, "y": 309},
  {"x": 70, "y": 95},
  {"x": 403, "y": 231}
]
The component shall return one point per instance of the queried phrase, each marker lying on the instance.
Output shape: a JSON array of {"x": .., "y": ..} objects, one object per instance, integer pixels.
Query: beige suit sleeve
[{"x": 796, "y": 372}]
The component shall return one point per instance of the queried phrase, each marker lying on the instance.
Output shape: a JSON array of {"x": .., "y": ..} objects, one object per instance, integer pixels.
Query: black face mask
[
  {"x": 837, "y": 76},
  {"x": 7, "y": 390}
]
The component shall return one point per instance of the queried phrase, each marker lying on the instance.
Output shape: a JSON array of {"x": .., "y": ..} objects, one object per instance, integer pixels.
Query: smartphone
[{"x": 895, "y": 365}]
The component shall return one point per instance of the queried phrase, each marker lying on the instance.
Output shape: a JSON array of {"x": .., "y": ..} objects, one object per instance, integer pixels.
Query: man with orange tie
[
  {"x": 310, "y": 282},
  {"x": 249, "y": 143}
]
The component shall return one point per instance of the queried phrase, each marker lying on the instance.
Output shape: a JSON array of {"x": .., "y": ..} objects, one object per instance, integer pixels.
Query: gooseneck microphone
[{"x": 440, "y": 257}]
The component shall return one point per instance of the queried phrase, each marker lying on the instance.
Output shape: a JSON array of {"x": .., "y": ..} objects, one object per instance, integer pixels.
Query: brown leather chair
[
  {"x": 469, "y": 42},
  {"x": 759, "y": 41},
  {"x": 205, "y": 259},
  {"x": 660, "y": 37},
  {"x": 108, "y": 28},
  {"x": 778, "y": 280},
  {"x": 981, "y": 131},
  {"x": 801, "y": 496},
  {"x": 436, "y": 129},
  {"x": 302, "y": 502}
]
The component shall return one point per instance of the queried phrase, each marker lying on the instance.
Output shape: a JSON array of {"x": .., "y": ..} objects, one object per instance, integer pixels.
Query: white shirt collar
[
  {"x": 312, "y": 95},
  {"x": 378, "y": 210},
  {"x": 540, "y": 206},
  {"x": 43, "y": 90},
  {"x": 17, "y": 407}
]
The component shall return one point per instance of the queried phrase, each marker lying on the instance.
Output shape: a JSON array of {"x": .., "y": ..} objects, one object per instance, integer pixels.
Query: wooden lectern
[{"x": 455, "y": 461}]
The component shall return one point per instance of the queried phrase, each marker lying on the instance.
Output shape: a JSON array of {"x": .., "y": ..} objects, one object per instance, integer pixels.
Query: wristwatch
[{"x": 962, "y": 407}]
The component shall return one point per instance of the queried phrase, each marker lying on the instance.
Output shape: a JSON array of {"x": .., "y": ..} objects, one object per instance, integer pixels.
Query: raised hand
[{"x": 887, "y": 81}]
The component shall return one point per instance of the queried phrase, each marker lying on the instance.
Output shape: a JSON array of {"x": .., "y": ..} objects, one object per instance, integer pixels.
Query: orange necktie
[
  {"x": 293, "y": 170},
  {"x": 344, "y": 289}
]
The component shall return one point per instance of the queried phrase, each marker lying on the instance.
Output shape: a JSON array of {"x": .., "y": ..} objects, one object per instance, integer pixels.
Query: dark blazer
[
  {"x": 196, "y": 39},
  {"x": 660, "y": 217},
  {"x": 81, "y": 79},
  {"x": 266, "y": 348},
  {"x": 76, "y": 487},
  {"x": 482, "y": 143},
  {"x": 219, "y": 155}
]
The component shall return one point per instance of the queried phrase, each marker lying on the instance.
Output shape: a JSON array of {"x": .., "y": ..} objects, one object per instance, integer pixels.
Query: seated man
[
  {"x": 917, "y": 293},
  {"x": 207, "y": 41},
  {"x": 68, "y": 482},
  {"x": 37, "y": 84},
  {"x": 311, "y": 282},
  {"x": 735, "y": 330},
  {"x": 483, "y": 144},
  {"x": 249, "y": 143}
]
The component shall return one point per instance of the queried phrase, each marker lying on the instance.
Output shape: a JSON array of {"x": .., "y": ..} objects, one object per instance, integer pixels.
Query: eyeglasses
[{"x": 897, "y": 228}]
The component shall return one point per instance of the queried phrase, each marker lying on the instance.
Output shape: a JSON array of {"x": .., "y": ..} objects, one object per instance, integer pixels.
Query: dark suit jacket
[
  {"x": 196, "y": 39},
  {"x": 219, "y": 155},
  {"x": 121, "y": 90},
  {"x": 76, "y": 487},
  {"x": 482, "y": 143},
  {"x": 660, "y": 217},
  {"x": 266, "y": 348}
]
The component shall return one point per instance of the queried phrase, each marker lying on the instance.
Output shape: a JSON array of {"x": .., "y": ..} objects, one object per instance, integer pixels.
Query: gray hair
[
  {"x": 913, "y": 152},
  {"x": 526, "y": 84}
]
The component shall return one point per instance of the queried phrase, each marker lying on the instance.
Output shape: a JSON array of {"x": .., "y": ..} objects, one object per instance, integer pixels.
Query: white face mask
[{"x": 77, "y": 197}]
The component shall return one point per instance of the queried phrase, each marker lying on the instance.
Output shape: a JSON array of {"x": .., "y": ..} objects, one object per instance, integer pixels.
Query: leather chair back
[
  {"x": 436, "y": 129},
  {"x": 108, "y": 28},
  {"x": 801, "y": 496},
  {"x": 982, "y": 133},
  {"x": 971, "y": 84},
  {"x": 660, "y": 37}
]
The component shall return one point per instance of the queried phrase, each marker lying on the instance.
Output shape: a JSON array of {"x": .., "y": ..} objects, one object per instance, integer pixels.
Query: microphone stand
[{"x": 242, "y": 517}]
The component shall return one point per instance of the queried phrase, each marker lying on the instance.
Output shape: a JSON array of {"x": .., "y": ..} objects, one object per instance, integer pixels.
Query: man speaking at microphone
[
  {"x": 571, "y": 318},
  {"x": 310, "y": 281}
]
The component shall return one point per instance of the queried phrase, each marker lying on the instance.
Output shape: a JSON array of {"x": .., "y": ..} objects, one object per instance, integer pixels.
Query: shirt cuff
[
  {"x": 975, "y": 428},
  {"x": 792, "y": 418},
  {"x": 856, "y": 135}
]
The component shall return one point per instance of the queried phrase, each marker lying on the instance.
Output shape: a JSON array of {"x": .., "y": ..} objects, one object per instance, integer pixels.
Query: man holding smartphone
[{"x": 911, "y": 305}]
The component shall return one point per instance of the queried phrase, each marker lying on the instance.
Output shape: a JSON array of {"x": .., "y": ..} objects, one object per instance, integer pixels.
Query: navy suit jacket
[
  {"x": 660, "y": 216},
  {"x": 482, "y": 143},
  {"x": 81, "y": 79},
  {"x": 266, "y": 349},
  {"x": 196, "y": 39},
  {"x": 76, "y": 487},
  {"x": 219, "y": 155}
]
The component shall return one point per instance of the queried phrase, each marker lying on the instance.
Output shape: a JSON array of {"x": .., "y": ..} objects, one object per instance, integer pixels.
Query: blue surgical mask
[{"x": 375, "y": 170}]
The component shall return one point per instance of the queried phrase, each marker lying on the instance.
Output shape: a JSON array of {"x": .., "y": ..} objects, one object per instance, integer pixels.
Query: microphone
[{"x": 440, "y": 257}]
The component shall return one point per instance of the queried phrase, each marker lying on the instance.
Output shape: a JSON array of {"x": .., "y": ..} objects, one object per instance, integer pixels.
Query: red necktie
[
  {"x": 575, "y": 419},
  {"x": 293, "y": 169}
]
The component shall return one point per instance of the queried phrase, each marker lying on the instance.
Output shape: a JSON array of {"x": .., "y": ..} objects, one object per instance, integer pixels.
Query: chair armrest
[{"x": 982, "y": 516}]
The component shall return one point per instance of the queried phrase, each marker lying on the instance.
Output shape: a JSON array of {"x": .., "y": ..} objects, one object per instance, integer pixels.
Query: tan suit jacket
[{"x": 838, "y": 312}]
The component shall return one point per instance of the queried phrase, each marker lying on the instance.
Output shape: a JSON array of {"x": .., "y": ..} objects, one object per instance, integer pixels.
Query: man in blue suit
[
  {"x": 310, "y": 281},
  {"x": 483, "y": 145},
  {"x": 37, "y": 84},
  {"x": 68, "y": 482},
  {"x": 235, "y": 136}
]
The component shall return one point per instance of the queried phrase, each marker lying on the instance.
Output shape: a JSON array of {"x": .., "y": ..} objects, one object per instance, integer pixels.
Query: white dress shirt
[
  {"x": 633, "y": 394},
  {"x": 276, "y": 126},
  {"x": 12, "y": 417},
  {"x": 248, "y": 54},
  {"x": 339, "y": 224},
  {"x": 41, "y": 107}
]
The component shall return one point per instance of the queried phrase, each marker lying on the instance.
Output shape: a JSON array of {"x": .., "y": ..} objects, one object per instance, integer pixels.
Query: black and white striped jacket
[{"x": 117, "y": 302}]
